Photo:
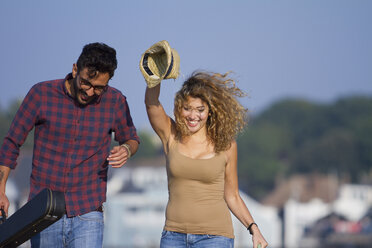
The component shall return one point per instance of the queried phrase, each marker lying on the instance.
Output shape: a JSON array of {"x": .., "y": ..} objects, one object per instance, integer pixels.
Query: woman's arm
[
  {"x": 235, "y": 202},
  {"x": 159, "y": 120}
]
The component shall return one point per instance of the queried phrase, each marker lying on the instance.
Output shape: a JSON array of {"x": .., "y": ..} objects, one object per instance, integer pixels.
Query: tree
[
  {"x": 297, "y": 136},
  {"x": 149, "y": 146}
]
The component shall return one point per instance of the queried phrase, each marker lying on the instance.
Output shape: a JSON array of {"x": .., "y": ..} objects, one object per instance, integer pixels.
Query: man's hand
[
  {"x": 4, "y": 203},
  {"x": 118, "y": 156}
]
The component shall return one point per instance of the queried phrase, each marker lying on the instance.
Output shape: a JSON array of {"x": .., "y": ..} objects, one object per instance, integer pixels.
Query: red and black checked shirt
[{"x": 71, "y": 142}]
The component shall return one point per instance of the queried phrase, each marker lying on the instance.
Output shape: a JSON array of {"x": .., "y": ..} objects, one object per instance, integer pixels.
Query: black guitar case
[{"x": 40, "y": 212}]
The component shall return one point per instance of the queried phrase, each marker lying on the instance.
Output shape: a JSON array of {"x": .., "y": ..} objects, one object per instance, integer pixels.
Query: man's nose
[{"x": 90, "y": 92}]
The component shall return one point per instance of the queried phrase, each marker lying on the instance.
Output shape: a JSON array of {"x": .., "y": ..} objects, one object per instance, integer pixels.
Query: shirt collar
[{"x": 68, "y": 77}]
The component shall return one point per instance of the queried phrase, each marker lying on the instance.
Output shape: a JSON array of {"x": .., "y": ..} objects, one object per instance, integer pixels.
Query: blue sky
[{"x": 319, "y": 50}]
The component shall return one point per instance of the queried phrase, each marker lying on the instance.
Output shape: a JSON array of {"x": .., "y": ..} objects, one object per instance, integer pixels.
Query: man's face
[{"x": 88, "y": 88}]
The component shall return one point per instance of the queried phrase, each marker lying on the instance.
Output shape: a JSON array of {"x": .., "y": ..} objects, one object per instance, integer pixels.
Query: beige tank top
[{"x": 196, "y": 195}]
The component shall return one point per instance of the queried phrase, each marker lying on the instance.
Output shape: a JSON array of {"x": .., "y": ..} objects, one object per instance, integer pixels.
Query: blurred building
[
  {"x": 302, "y": 212},
  {"x": 345, "y": 222}
]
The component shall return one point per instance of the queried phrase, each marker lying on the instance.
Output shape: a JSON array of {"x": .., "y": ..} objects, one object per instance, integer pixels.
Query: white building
[
  {"x": 299, "y": 215},
  {"x": 353, "y": 203}
]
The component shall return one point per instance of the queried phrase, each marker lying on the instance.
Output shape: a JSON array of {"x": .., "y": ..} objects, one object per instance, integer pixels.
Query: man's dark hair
[{"x": 98, "y": 57}]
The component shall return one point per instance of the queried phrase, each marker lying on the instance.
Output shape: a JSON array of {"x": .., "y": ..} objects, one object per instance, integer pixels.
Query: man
[{"x": 74, "y": 119}]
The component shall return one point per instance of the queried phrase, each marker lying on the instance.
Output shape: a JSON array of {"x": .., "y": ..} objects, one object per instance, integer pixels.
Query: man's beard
[{"x": 79, "y": 93}]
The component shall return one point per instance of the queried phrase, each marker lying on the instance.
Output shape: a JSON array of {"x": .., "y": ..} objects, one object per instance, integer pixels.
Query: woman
[{"x": 201, "y": 154}]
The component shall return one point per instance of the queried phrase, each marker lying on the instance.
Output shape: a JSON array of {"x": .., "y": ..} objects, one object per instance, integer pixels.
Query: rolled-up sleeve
[
  {"x": 124, "y": 127},
  {"x": 22, "y": 124}
]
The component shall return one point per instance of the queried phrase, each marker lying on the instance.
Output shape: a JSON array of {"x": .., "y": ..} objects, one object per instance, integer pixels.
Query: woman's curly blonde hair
[{"x": 227, "y": 117}]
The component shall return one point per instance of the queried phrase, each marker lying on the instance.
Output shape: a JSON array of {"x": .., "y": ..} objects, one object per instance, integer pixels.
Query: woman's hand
[{"x": 257, "y": 238}]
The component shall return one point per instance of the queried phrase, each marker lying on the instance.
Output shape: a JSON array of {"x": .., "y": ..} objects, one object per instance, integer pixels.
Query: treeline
[
  {"x": 295, "y": 136},
  {"x": 292, "y": 136}
]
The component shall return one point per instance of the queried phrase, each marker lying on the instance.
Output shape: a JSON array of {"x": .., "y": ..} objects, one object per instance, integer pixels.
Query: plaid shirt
[{"x": 71, "y": 142}]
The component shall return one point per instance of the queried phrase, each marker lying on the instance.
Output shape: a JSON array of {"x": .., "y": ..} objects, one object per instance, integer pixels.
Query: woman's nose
[{"x": 194, "y": 113}]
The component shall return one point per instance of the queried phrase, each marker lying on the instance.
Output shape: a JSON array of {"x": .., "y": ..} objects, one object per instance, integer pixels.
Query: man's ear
[{"x": 74, "y": 70}]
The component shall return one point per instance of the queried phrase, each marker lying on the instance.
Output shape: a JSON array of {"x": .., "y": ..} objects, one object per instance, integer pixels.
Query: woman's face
[{"x": 195, "y": 114}]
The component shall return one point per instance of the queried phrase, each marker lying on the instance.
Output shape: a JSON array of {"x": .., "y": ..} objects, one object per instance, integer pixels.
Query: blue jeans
[
  {"x": 185, "y": 240},
  {"x": 76, "y": 232}
]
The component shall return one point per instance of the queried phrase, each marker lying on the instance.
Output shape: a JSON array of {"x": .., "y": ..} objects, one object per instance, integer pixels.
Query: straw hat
[{"x": 159, "y": 62}]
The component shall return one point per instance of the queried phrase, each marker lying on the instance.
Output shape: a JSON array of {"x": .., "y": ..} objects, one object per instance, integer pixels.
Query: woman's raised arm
[{"x": 159, "y": 120}]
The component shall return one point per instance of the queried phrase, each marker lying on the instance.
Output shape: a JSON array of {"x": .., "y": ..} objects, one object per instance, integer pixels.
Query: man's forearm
[{"x": 4, "y": 173}]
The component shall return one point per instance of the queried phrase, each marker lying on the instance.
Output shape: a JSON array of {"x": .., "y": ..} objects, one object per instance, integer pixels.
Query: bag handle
[{"x": 3, "y": 216}]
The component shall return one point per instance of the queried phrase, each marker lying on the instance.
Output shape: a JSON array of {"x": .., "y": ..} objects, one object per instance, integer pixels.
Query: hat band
[
  {"x": 145, "y": 64},
  {"x": 170, "y": 67},
  {"x": 147, "y": 69}
]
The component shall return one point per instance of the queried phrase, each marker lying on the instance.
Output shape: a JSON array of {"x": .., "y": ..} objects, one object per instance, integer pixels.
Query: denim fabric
[
  {"x": 77, "y": 232},
  {"x": 185, "y": 240}
]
